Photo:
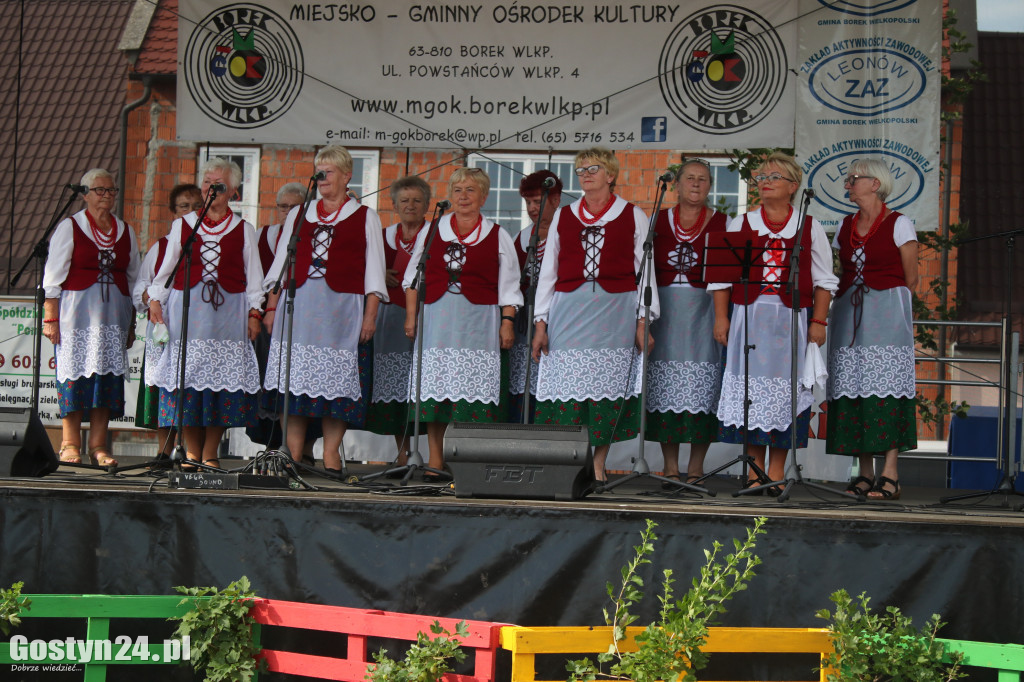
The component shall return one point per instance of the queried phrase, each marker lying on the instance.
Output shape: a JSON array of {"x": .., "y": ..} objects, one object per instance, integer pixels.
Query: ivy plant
[
  {"x": 11, "y": 606},
  {"x": 428, "y": 660},
  {"x": 670, "y": 648},
  {"x": 220, "y": 626},
  {"x": 884, "y": 647}
]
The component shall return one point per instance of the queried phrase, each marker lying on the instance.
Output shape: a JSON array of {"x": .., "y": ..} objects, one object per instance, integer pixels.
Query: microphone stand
[
  {"x": 640, "y": 467},
  {"x": 794, "y": 356},
  {"x": 40, "y": 252},
  {"x": 288, "y": 274},
  {"x": 414, "y": 460},
  {"x": 178, "y": 455},
  {"x": 531, "y": 298}
]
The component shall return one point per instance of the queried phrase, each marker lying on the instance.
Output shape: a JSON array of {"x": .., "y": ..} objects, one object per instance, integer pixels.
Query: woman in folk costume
[
  {"x": 226, "y": 295},
  {"x": 871, "y": 380},
  {"x": 685, "y": 376},
  {"x": 392, "y": 349},
  {"x": 88, "y": 316},
  {"x": 531, "y": 189},
  {"x": 472, "y": 293},
  {"x": 184, "y": 199},
  {"x": 339, "y": 279},
  {"x": 588, "y": 319},
  {"x": 772, "y": 228}
]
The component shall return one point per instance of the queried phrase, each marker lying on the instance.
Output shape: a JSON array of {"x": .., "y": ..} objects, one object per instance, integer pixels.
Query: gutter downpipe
[{"x": 122, "y": 159}]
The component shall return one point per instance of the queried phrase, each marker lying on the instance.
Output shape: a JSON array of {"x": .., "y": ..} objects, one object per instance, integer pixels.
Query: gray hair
[
  {"x": 95, "y": 174},
  {"x": 296, "y": 188},
  {"x": 334, "y": 155},
  {"x": 875, "y": 168},
  {"x": 410, "y": 182},
  {"x": 228, "y": 167}
]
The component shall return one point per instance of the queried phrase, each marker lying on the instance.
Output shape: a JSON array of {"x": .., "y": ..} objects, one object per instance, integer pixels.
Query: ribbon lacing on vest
[
  {"x": 454, "y": 261},
  {"x": 322, "y": 236},
  {"x": 682, "y": 259},
  {"x": 772, "y": 266},
  {"x": 593, "y": 239},
  {"x": 106, "y": 276},
  {"x": 209, "y": 254},
  {"x": 857, "y": 294}
]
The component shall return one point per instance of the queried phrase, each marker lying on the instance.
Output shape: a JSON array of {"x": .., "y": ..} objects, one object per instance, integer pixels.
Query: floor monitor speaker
[{"x": 25, "y": 449}]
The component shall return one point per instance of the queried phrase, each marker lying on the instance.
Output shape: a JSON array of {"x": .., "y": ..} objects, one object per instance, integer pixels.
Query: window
[
  {"x": 727, "y": 186},
  {"x": 246, "y": 202},
  {"x": 365, "y": 171},
  {"x": 504, "y": 205}
]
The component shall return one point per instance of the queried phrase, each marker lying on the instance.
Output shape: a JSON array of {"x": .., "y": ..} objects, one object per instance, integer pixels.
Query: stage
[{"x": 420, "y": 549}]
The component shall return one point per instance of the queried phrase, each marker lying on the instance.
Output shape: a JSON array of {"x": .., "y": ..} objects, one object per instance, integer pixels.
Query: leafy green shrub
[
  {"x": 11, "y": 606},
  {"x": 426, "y": 661}
]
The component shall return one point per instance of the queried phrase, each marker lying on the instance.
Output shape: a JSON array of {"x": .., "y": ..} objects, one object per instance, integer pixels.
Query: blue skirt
[
  {"x": 209, "y": 408},
  {"x": 353, "y": 412},
  {"x": 95, "y": 390},
  {"x": 773, "y": 439}
]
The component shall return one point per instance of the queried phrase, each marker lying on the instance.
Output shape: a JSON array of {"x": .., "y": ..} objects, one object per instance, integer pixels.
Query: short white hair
[
  {"x": 95, "y": 174},
  {"x": 875, "y": 168},
  {"x": 296, "y": 188},
  {"x": 226, "y": 166}
]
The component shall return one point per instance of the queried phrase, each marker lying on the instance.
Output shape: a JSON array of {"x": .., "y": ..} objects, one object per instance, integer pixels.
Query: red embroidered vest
[
  {"x": 266, "y": 250},
  {"x": 230, "y": 267},
  {"x": 345, "y": 267},
  {"x": 759, "y": 243},
  {"x": 665, "y": 242},
  {"x": 616, "y": 274},
  {"x": 85, "y": 261},
  {"x": 883, "y": 267},
  {"x": 479, "y": 275},
  {"x": 397, "y": 260}
]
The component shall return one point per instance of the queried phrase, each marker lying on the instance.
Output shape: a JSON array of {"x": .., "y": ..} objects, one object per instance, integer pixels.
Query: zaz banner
[
  {"x": 652, "y": 75},
  {"x": 869, "y": 87}
]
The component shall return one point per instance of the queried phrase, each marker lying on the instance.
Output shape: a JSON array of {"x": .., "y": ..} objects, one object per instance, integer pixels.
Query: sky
[{"x": 1001, "y": 15}]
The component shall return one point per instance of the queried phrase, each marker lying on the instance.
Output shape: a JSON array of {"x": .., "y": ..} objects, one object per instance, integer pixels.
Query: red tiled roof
[
  {"x": 64, "y": 114},
  {"x": 992, "y": 176},
  {"x": 159, "y": 53}
]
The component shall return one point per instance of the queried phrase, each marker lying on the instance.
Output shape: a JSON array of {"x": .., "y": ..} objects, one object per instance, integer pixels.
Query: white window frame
[
  {"x": 742, "y": 193},
  {"x": 369, "y": 182},
  {"x": 531, "y": 164}
]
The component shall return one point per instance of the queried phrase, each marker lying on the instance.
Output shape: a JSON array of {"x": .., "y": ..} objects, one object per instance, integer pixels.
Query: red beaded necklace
[
  {"x": 407, "y": 246},
  {"x": 597, "y": 216},
  {"x": 324, "y": 217},
  {"x": 773, "y": 227},
  {"x": 210, "y": 227},
  {"x": 477, "y": 229},
  {"x": 104, "y": 240},
  {"x": 688, "y": 233},
  {"x": 857, "y": 241}
]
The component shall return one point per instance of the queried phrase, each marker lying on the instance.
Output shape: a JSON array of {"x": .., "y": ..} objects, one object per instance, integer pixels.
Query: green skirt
[
  {"x": 388, "y": 419},
  {"x": 147, "y": 407},
  {"x": 863, "y": 425},
  {"x": 446, "y": 411},
  {"x": 601, "y": 416},
  {"x": 682, "y": 427}
]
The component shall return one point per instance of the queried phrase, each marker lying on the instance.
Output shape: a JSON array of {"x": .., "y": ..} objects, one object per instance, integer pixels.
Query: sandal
[
  {"x": 665, "y": 485},
  {"x": 212, "y": 462},
  {"x": 189, "y": 467},
  {"x": 879, "y": 492},
  {"x": 75, "y": 458},
  {"x": 101, "y": 458},
  {"x": 855, "y": 489},
  {"x": 750, "y": 483}
]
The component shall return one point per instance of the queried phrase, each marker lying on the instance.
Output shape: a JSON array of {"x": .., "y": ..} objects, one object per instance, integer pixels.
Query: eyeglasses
[
  {"x": 850, "y": 179},
  {"x": 694, "y": 159},
  {"x": 286, "y": 207},
  {"x": 186, "y": 205},
  {"x": 104, "y": 191},
  {"x": 589, "y": 170},
  {"x": 773, "y": 177}
]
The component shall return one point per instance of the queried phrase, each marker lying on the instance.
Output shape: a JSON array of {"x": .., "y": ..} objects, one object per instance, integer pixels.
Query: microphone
[
  {"x": 218, "y": 187},
  {"x": 444, "y": 204},
  {"x": 808, "y": 193},
  {"x": 77, "y": 189},
  {"x": 549, "y": 182},
  {"x": 320, "y": 176},
  {"x": 667, "y": 176}
]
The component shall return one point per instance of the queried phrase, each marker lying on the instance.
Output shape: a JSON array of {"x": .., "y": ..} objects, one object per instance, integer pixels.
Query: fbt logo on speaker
[{"x": 41, "y": 654}]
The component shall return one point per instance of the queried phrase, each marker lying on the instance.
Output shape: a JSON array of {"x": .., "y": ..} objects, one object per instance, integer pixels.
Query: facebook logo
[{"x": 653, "y": 129}]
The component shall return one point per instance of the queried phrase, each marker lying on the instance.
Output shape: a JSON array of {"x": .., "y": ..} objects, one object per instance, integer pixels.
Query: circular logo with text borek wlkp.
[
  {"x": 723, "y": 69},
  {"x": 243, "y": 66}
]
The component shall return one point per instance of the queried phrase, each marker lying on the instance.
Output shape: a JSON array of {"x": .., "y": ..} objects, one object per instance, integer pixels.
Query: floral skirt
[
  {"x": 446, "y": 411},
  {"x": 95, "y": 390},
  {"x": 609, "y": 420},
  {"x": 209, "y": 408},
  {"x": 862, "y": 425},
  {"x": 681, "y": 427},
  {"x": 774, "y": 438},
  {"x": 388, "y": 418}
]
